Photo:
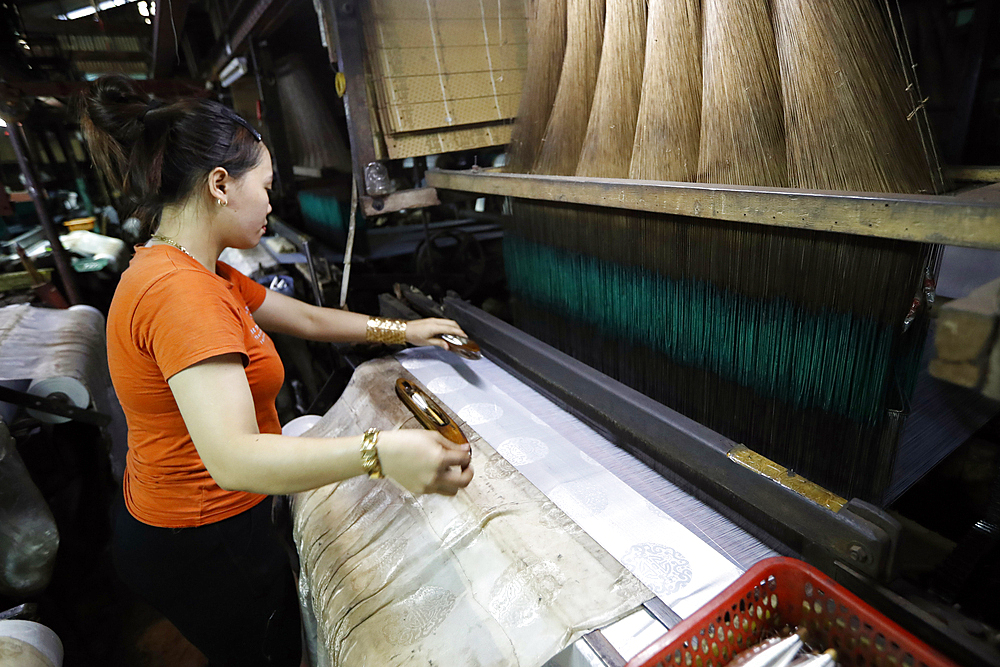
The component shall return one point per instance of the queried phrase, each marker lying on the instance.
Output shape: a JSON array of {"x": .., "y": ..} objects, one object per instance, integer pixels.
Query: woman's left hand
[{"x": 426, "y": 332}]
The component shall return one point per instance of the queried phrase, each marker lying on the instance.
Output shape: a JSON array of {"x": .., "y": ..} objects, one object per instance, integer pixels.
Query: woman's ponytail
[{"x": 155, "y": 153}]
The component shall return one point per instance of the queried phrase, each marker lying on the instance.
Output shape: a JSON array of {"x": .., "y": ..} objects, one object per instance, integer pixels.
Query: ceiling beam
[
  {"x": 252, "y": 16},
  {"x": 168, "y": 24},
  {"x": 274, "y": 19},
  {"x": 110, "y": 28},
  {"x": 10, "y": 70},
  {"x": 108, "y": 56},
  {"x": 66, "y": 89}
]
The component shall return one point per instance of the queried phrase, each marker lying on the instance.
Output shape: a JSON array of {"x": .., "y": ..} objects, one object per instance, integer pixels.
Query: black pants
[{"x": 227, "y": 586}]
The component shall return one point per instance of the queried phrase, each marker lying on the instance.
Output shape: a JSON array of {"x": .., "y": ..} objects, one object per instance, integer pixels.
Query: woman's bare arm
[
  {"x": 283, "y": 314},
  {"x": 215, "y": 401}
]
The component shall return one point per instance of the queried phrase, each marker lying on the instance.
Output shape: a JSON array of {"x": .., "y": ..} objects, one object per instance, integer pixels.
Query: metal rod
[
  {"x": 40, "y": 199},
  {"x": 659, "y": 610},
  {"x": 313, "y": 278},
  {"x": 608, "y": 654}
]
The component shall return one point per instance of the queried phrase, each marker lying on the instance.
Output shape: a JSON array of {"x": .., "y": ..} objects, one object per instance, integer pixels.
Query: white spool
[
  {"x": 300, "y": 425},
  {"x": 87, "y": 308},
  {"x": 15, "y": 634},
  {"x": 65, "y": 389}
]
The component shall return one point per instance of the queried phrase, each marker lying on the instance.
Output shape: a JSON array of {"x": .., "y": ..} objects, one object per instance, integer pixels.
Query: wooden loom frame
[{"x": 942, "y": 219}]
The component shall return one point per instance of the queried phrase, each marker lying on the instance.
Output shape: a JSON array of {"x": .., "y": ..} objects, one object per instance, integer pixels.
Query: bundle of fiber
[
  {"x": 848, "y": 120},
  {"x": 546, "y": 50},
  {"x": 742, "y": 124},
  {"x": 607, "y": 147},
  {"x": 668, "y": 128},
  {"x": 567, "y": 125}
]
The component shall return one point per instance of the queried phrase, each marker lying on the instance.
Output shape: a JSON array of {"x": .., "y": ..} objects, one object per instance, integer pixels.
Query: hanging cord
[
  {"x": 177, "y": 53},
  {"x": 917, "y": 100},
  {"x": 349, "y": 250}
]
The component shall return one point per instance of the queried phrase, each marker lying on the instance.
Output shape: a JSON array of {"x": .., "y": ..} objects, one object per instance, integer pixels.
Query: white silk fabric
[
  {"x": 527, "y": 429},
  {"x": 495, "y": 576}
]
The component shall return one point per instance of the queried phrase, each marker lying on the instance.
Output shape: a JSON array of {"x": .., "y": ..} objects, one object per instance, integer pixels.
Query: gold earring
[{"x": 220, "y": 202}]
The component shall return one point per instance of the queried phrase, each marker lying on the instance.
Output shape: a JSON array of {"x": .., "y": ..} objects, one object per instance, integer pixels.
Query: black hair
[{"x": 156, "y": 153}]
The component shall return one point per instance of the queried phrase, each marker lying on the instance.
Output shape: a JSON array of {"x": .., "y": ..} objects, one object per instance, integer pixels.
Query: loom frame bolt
[{"x": 858, "y": 553}]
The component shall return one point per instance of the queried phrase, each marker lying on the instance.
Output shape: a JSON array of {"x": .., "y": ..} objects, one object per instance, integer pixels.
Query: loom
[
  {"x": 801, "y": 345},
  {"x": 780, "y": 433},
  {"x": 711, "y": 506}
]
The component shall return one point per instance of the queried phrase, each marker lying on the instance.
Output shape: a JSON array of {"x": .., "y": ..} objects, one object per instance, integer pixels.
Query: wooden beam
[
  {"x": 399, "y": 201},
  {"x": 351, "y": 61},
  {"x": 974, "y": 174},
  {"x": 923, "y": 218}
]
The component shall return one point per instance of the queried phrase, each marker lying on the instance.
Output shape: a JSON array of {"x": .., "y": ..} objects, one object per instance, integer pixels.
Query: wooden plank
[
  {"x": 432, "y": 115},
  {"x": 608, "y": 654},
  {"x": 416, "y": 33},
  {"x": 965, "y": 336},
  {"x": 447, "y": 59},
  {"x": 455, "y": 86},
  {"x": 922, "y": 218},
  {"x": 412, "y": 144},
  {"x": 398, "y": 201},
  {"x": 975, "y": 174}
]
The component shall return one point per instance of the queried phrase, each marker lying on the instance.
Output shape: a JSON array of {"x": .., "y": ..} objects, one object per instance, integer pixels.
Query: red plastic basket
[{"x": 779, "y": 592}]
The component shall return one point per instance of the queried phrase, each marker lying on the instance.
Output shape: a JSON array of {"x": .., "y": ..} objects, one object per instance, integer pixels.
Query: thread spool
[
  {"x": 29, "y": 644},
  {"x": 82, "y": 307},
  {"x": 63, "y": 389},
  {"x": 300, "y": 425}
]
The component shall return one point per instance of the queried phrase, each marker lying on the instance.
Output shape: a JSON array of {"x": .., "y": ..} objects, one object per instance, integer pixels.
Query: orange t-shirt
[{"x": 169, "y": 312}]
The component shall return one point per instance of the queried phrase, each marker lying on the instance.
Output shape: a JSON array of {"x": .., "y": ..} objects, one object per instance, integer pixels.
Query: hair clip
[
  {"x": 236, "y": 118},
  {"x": 150, "y": 105}
]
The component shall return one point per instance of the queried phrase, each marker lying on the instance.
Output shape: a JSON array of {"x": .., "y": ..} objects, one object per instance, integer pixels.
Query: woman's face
[{"x": 249, "y": 203}]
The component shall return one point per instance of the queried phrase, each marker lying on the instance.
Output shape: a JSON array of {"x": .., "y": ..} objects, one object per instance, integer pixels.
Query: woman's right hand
[{"x": 425, "y": 461}]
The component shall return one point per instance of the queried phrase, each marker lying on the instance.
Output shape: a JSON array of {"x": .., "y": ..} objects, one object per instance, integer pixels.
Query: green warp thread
[{"x": 831, "y": 361}]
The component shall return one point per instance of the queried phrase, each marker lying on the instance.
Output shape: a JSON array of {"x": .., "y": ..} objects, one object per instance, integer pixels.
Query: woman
[{"x": 197, "y": 376}]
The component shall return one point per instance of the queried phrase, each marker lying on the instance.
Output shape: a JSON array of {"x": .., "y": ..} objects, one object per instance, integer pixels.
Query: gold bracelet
[
  {"x": 369, "y": 454},
  {"x": 390, "y": 332}
]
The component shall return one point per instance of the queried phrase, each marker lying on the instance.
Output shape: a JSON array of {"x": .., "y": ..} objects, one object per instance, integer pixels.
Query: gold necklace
[{"x": 164, "y": 239}]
